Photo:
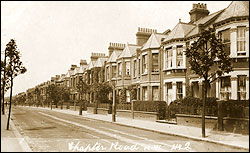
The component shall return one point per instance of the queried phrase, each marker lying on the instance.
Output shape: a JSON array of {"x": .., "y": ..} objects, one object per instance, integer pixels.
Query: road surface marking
[{"x": 102, "y": 132}]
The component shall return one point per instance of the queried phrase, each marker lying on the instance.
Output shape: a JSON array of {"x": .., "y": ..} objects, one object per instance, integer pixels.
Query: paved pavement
[
  {"x": 218, "y": 137},
  {"x": 11, "y": 140}
]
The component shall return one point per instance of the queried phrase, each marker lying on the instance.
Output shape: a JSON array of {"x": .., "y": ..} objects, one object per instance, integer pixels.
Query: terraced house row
[{"x": 156, "y": 66}]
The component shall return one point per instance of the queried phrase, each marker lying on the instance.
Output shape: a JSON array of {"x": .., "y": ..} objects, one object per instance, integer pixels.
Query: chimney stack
[
  {"x": 198, "y": 11},
  {"x": 143, "y": 34},
  {"x": 115, "y": 46}
]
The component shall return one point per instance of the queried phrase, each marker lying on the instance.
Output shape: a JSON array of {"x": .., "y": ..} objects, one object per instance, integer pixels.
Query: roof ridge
[
  {"x": 210, "y": 15},
  {"x": 244, "y": 5}
]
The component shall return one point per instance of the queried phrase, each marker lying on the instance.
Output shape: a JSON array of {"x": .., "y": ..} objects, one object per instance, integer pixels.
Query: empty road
[{"x": 47, "y": 130}]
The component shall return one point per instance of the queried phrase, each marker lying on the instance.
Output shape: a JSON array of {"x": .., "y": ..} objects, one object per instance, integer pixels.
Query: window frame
[
  {"x": 155, "y": 64},
  {"x": 241, "y": 39},
  {"x": 179, "y": 87},
  {"x": 168, "y": 52}
]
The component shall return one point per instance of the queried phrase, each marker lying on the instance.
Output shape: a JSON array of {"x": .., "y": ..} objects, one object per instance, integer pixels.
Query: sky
[{"x": 53, "y": 35}]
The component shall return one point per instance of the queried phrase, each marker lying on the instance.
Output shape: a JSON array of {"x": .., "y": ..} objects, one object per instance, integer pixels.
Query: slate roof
[
  {"x": 204, "y": 21},
  {"x": 154, "y": 41},
  {"x": 82, "y": 69},
  {"x": 115, "y": 54},
  {"x": 129, "y": 51},
  {"x": 180, "y": 31},
  {"x": 235, "y": 9},
  {"x": 100, "y": 61},
  {"x": 61, "y": 78},
  {"x": 91, "y": 65},
  {"x": 76, "y": 70}
]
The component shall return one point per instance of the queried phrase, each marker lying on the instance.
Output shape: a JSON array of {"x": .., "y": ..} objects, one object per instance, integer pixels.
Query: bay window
[
  {"x": 127, "y": 96},
  {"x": 139, "y": 67},
  {"x": 144, "y": 93},
  {"x": 155, "y": 92},
  {"x": 225, "y": 87},
  {"x": 113, "y": 71},
  {"x": 107, "y": 71},
  {"x": 225, "y": 37},
  {"x": 127, "y": 68},
  {"x": 144, "y": 64},
  {"x": 179, "y": 94},
  {"x": 169, "y": 57},
  {"x": 119, "y": 69},
  {"x": 179, "y": 56},
  {"x": 155, "y": 65},
  {"x": 241, "y": 87},
  {"x": 134, "y": 68},
  {"x": 241, "y": 41}
]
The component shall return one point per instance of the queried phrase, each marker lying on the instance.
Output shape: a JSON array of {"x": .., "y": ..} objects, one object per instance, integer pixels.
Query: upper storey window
[
  {"x": 127, "y": 68},
  {"x": 155, "y": 65},
  {"x": 134, "y": 68},
  {"x": 179, "y": 57},
  {"x": 113, "y": 71},
  {"x": 107, "y": 71},
  {"x": 169, "y": 57},
  {"x": 144, "y": 64},
  {"x": 225, "y": 37},
  {"x": 241, "y": 41},
  {"x": 119, "y": 69}
]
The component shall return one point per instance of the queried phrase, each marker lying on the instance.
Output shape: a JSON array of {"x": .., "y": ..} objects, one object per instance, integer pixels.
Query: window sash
[
  {"x": 113, "y": 71},
  {"x": 155, "y": 65},
  {"x": 179, "y": 94},
  {"x": 108, "y": 73},
  {"x": 135, "y": 68},
  {"x": 144, "y": 63},
  {"x": 127, "y": 68},
  {"x": 145, "y": 93},
  {"x": 241, "y": 39},
  {"x": 169, "y": 55},
  {"x": 120, "y": 69},
  {"x": 225, "y": 82},
  {"x": 155, "y": 93}
]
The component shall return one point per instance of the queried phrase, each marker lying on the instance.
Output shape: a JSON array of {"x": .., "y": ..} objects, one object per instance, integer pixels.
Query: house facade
[{"x": 157, "y": 68}]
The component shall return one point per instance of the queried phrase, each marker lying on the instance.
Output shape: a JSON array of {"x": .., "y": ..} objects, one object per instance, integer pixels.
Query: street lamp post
[{"x": 114, "y": 104}]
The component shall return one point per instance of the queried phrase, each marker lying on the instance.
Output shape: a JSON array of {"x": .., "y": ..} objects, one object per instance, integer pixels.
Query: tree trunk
[
  {"x": 203, "y": 108},
  {"x": 3, "y": 97},
  {"x": 3, "y": 111},
  {"x": 10, "y": 103}
]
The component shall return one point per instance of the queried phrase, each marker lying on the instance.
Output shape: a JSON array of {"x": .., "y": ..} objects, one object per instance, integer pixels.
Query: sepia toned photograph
[{"x": 124, "y": 76}]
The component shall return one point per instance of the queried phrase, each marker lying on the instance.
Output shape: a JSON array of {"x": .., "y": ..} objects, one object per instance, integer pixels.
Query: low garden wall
[
  {"x": 236, "y": 125},
  {"x": 103, "y": 111},
  {"x": 142, "y": 115},
  {"x": 195, "y": 120},
  {"x": 91, "y": 110}
]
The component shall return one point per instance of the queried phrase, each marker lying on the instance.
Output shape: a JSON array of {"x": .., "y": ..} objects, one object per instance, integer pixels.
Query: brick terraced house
[{"x": 156, "y": 66}]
